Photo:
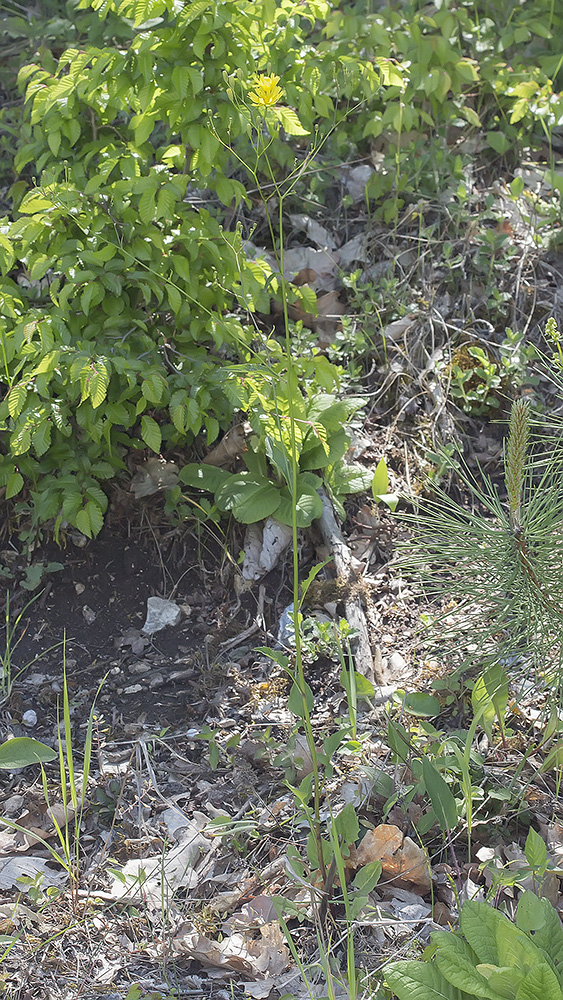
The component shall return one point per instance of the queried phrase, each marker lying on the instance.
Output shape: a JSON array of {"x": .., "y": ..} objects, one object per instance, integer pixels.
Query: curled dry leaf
[
  {"x": 156, "y": 474},
  {"x": 258, "y": 958},
  {"x": 229, "y": 448},
  {"x": 402, "y": 861},
  {"x": 263, "y": 546}
]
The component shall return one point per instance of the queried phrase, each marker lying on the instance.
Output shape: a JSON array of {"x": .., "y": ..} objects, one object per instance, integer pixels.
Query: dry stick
[{"x": 348, "y": 569}]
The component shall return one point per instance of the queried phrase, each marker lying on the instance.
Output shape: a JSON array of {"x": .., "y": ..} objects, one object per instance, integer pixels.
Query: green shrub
[{"x": 124, "y": 302}]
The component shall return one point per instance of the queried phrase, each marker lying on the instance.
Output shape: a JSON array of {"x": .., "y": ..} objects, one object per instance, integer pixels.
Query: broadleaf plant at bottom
[{"x": 489, "y": 957}]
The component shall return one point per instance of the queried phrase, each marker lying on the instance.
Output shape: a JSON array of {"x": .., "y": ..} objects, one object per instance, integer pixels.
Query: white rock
[
  {"x": 396, "y": 663},
  {"x": 160, "y": 614},
  {"x": 29, "y": 718}
]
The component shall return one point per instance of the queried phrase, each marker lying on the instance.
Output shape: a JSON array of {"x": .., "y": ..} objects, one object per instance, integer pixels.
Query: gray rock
[{"x": 160, "y": 614}]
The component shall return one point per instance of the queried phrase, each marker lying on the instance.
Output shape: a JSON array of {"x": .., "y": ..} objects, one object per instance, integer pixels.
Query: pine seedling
[
  {"x": 496, "y": 563},
  {"x": 515, "y": 458}
]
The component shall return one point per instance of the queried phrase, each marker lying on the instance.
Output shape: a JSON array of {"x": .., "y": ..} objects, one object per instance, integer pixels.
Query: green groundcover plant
[{"x": 489, "y": 957}]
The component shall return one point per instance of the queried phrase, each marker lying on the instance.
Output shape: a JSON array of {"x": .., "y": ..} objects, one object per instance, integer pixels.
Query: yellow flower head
[{"x": 266, "y": 92}]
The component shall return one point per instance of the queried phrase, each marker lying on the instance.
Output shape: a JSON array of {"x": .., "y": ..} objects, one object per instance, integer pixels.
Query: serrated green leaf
[
  {"x": 14, "y": 485},
  {"x": 7, "y": 254},
  {"x": 99, "y": 381},
  {"x": 151, "y": 434},
  {"x": 95, "y": 518},
  {"x": 290, "y": 121},
  {"x": 81, "y": 520},
  {"x": 16, "y": 399}
]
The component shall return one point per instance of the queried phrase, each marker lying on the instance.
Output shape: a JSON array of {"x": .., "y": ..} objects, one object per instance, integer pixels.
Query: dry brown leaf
[
  {"x": 156, "y": 474},
  {"x": 260, "y": 958},
  {"x": 402, "y": 861},
  {"x": 229, "y": 448}
]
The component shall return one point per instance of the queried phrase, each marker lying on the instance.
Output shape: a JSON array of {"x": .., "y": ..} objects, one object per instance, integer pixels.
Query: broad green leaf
[
  {"x": 515, "y": 949},
  {"x": 535, "y": 850},
  {"x": 380, "y": 483},
  {"x": 174, "y": 297},
  {"x": 363, "y": 687},
  {"x": 367, "y": 877},
  {"x": 443, "y": 801},
  {"x": 346, "y": 824},
  {"x": 249, "y": 499},
  {"x": 99, "y": 382},
  {"x": 530, "y": 913},
  {"x": 295, "y": 700},
  {"x": 257, "y": 503},
  {"x": 548, "y": 937},
  {"x": 457, "y": 962},
  {"x": 421, "y": 703},
  {"x": 479, "y": 925},
  {"x": 539, "y": 984},
  {"x": 7, "y": 254},
  {"x": 23, "y": 751},
  {"x": 35, "y": 201},
  {"x": 308, "y": 506},
  {"x": 96, "y": 517},
  {"x": 151, "y": 434},
  {"x": 82, "y": 522},
  {"x": 290, "y": 122},
  {"x": 499, "y": 142},
  {"x": 420, "y": 981},
  {"x": 206, "y": 477}
]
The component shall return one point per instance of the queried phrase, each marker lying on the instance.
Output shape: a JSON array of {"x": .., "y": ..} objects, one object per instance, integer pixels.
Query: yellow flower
[{"x": 266, "y": 92}]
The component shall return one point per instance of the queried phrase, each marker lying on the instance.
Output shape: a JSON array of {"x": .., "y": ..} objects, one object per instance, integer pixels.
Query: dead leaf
[
  {"x": 317, "y": 233},
  {"x": 263, "y": 546},
  {"x": 260, "y": 958},
  {"x": 355, "y": 179},
  {"x": 156, "y": 474},
  {"x": 402, "y": 861},
  {"x": 229, "y": 448}
]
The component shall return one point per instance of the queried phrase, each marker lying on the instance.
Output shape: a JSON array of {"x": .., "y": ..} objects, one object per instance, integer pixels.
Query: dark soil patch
[{"x": 95, "y": 607}]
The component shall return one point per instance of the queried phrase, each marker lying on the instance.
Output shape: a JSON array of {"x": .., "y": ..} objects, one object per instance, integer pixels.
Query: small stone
[
  {"x": 29, "y": 718},
  {"x": 88, "y": 615},
  {"x": 396, "y": 663},
  {"x": 133, "y": 689},
  {"x": 79, "y": 588},
  {"x": 141, "y": 667},
  {"x": 160, "y": 614}
]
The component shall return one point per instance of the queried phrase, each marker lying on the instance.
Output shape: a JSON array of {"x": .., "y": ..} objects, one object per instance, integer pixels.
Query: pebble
[
  {"x": 29, "y": 718},
  {"x": 396, "y": 663},
  {"x": 133, "y": 689}
]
